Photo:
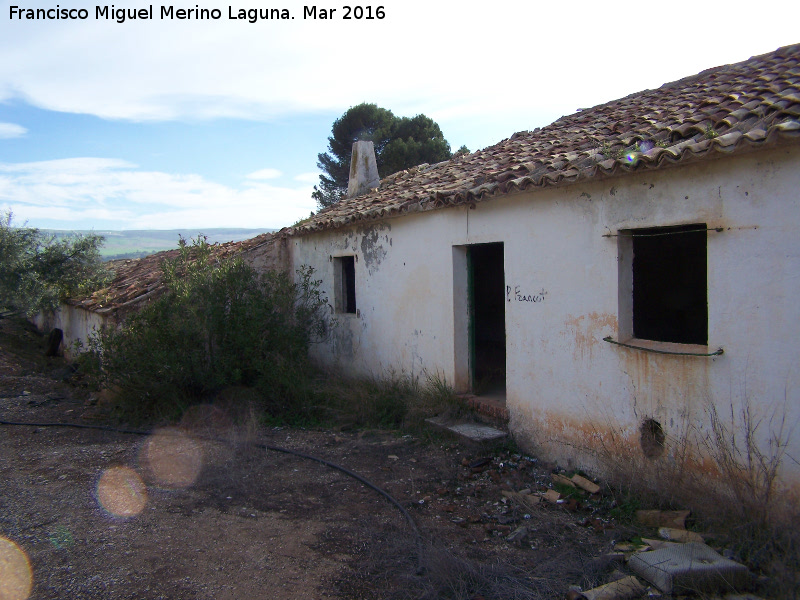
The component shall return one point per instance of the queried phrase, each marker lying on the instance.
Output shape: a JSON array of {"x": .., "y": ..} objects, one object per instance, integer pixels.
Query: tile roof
[
  {"x": 728, "y": 109},
  {"x": 734, "y": 108},
  {"x": 136, "y": 280}
]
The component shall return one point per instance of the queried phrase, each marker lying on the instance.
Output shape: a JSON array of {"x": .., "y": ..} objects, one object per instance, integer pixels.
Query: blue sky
[{"x": 217, "y": 123}]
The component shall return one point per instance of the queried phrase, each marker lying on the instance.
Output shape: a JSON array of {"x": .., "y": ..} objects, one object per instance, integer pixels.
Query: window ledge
[{"x": 665, "y": 347}]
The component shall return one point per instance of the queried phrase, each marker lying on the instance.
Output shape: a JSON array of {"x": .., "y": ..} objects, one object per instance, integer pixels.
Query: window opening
[
  {"x": 345, "y": 284},
  {"x": 669, "y": 280}
]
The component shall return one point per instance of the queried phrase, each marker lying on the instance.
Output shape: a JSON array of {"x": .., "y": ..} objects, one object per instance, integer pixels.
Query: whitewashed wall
[
  {"x": 566, "y": 387},
  {"x": 76, "y": 323}
]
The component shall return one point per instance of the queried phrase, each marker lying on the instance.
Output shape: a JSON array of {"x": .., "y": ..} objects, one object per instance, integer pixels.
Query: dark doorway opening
[{"x": 487, "y": 318}]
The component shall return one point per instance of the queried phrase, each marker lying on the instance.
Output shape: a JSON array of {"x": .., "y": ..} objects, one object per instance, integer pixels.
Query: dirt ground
[{"x": 87, "y": 513}]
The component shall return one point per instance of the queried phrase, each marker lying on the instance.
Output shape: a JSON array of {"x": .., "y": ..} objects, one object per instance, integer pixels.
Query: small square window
[
  {"x": 663, "y": 270},
  {"x": 344, "y": 280}
]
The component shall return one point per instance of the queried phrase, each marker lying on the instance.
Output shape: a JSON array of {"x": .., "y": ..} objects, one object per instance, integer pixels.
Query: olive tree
[{"x": 37, "y": 270}]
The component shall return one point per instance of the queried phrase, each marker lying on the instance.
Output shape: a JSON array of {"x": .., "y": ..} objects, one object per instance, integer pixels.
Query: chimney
[{"x": 363, "y": 169}]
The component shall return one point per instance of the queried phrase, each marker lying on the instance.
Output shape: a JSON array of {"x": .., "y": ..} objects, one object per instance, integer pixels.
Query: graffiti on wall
[{"x": 517, "y": 294}]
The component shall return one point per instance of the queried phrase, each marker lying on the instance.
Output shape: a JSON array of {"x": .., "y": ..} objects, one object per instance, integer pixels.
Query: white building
[{"x": 613, "y": 276}]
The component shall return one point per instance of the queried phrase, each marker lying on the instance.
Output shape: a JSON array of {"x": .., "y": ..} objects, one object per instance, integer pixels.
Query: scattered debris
[
  {"x": 622, "y": 589},
  {"x": 612, "y": 559},
  {"x": 679, "y": 535},
  {"x": 524, "y": 500},
  {"x": 518, "y": 536},
  {"x": 658, "y": 544},
  {"x": 689, "y": 567},
  {"x": 477, "y": 463},
  {"x": 552, "y": 496},
  {"x": 561, "y": 479},
  {"x": 585, "y": 484},
  {"x": 675, "y": 519}
]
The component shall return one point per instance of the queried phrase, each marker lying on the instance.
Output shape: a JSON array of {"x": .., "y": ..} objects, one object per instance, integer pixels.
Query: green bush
[{"x": 219, "y": 324}]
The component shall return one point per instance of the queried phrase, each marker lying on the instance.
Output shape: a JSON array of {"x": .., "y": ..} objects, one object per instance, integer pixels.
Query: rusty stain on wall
[
  {"x": 664, "y": 385},
  {"x": 589, "y": 330},
  {"x": 606, "y": 446}
]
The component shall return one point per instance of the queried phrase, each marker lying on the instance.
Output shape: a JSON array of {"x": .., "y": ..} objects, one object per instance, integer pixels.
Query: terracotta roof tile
[
  {"x": 136, "y": 280},
  {"x": 729, "y": 109}
]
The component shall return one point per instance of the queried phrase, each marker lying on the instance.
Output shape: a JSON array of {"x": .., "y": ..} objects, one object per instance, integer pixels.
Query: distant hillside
[{"x": 135, "y": 243}]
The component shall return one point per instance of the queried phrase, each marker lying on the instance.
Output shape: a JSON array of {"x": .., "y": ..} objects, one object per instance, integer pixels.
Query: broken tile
[
  {"x": 561, "y": 479},
  {"x": 585, "y": 484},
  {"x": 552, "y": 496}
]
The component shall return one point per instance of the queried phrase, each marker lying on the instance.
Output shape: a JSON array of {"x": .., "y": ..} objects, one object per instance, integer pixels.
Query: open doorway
[{"x": 487, "y": 318}]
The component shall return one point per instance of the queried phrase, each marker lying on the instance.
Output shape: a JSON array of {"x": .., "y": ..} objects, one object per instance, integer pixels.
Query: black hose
[{"x": 348, "y": 472}]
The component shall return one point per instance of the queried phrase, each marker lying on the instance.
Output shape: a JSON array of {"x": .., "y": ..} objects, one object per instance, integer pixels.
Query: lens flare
[
  {"x": 206, "y": 419},
  {"x": 16, "y": 578},
  {"x": 172, "y": 458},
  {"x": 121, "y": 492}
]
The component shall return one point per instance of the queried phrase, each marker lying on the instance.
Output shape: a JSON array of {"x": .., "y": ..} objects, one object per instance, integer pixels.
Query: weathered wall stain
[
  {"x": 671, "y": 388},
  {"x": 586, "y": 331},
  {"x": 372, "y": 245},
  {"x": 345, "y": 340},
  {"x": 605, "y": 445}
]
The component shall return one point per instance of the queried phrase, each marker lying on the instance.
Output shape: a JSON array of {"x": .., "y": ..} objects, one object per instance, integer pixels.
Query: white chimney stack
[{"x": 363, "y": 169}]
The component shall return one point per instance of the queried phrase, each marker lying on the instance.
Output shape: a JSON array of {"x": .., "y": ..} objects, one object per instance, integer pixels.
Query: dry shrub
[
  {"x": 749, "y": 502},
  {"x": 450, "y": 576},
  {"x": 393, "y": 401},
  {"x": 729, "y": 475},
  {"x": 387, "y": 569}
]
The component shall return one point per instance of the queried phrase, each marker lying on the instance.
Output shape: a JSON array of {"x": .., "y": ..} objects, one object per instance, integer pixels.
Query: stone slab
[
  {"x": 474, "y": 432},
  {"x": 691, "y": 567}
]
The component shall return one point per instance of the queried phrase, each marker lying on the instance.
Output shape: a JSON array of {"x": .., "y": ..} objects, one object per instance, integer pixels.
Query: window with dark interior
[
  {"x": 344, "y": 277},
  {"x": 670, "y": 295}
]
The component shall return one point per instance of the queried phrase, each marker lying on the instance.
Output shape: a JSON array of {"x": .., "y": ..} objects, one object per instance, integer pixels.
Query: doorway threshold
[{"x": 491, "y": 405}]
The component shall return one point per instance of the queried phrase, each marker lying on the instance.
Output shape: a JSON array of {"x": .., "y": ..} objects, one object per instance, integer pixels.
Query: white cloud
[
  {"x": 11, "y": 130},
  {"x": 264, "y": 174},
  {"x": 307, "y": 177},
  {"x": 101, "y": 192},
  {"x": 422, "y": 57}
]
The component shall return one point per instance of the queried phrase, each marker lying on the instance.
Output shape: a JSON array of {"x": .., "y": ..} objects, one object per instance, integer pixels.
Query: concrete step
[{"x": 473, "y": 432}]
